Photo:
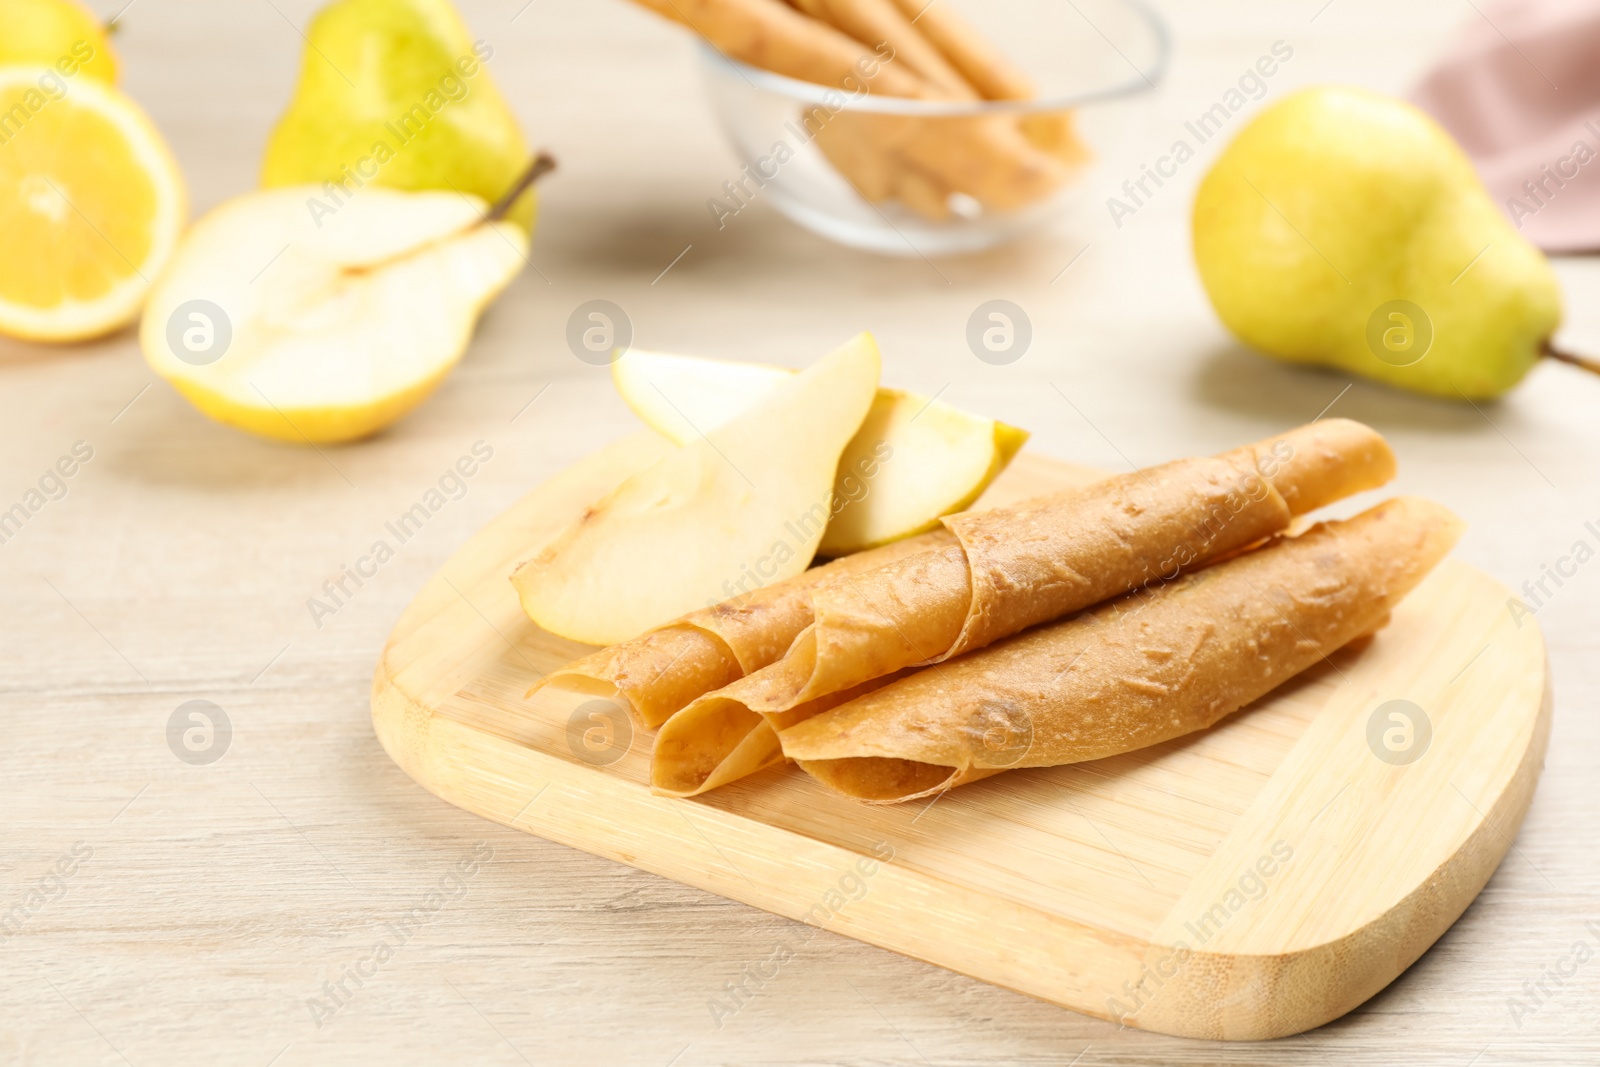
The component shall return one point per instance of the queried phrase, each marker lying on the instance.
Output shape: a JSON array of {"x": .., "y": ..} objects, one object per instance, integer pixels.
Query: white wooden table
[{"x": 206, "y": 905}]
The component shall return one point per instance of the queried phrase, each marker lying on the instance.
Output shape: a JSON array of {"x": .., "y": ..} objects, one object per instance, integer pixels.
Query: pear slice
[
  {"x": 682, "y": 397},
  {"x": 322, "y": 329},
  {"x": 912, "y": 461},
  {"x": 741, "y": 507}
]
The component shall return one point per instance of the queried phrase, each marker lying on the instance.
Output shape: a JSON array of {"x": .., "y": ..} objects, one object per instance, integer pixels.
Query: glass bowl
[{"x": 930, "y": 177}]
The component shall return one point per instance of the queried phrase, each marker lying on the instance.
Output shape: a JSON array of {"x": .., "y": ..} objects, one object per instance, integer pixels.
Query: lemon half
[{"x": 91, "y": 205}]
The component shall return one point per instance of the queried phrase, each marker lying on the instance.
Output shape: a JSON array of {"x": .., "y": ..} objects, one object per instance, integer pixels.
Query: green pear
[
  {"x": 1346, "y": 228},
  {"x": 396, "y": 93}
]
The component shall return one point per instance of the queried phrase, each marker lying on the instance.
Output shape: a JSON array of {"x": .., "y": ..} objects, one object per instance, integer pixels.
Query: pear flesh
[
  {"x": 743, "y": 506},
  {"x": 268, "y": 322},
  {"x": 1346, "y": 228},
  {"x": 912, "y": 461},
  {"x": 682, "y": 397}
]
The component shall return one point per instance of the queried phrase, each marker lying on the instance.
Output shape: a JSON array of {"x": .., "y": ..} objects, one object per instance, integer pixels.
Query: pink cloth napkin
[{"x": 1520, "y": 89}]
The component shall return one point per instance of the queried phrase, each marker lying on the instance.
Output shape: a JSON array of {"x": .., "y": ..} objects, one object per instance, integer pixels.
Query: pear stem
[
  {"x": 1588, "y": 363},
  {"x": 542, "y": 164}
]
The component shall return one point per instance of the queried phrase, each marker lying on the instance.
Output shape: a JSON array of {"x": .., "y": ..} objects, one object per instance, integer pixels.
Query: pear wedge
[
  {"x": 328, "y": 330},
  {"x": 733, "y": 510},
  {"x": 912, "y": 461},
  {"x": 683, "y": 397}
]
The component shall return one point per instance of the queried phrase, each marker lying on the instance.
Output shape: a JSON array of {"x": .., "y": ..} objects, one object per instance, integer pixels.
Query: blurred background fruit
[
  {"x": 48, "y": 32},
  {"x": 397, "y": 93},
  {"x": 91, "y": 205}
]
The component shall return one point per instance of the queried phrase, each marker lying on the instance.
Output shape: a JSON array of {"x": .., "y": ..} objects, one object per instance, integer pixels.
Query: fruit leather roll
[
  {"x": 1151, "y": 666},
  {"x": 1014, "y": 567},
  {"x": 659, "y": 672}
]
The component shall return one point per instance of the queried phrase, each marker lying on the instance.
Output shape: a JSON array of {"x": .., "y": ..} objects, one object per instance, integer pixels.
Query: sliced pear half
[
  {"x": 325, "y": 329},
  {"x": 742, "y": 506},
  {"x": 912, "y": 461}
]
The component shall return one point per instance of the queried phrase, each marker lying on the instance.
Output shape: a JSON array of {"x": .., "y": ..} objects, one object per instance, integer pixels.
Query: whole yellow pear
[
  {"x": 1346, "y": 228},
  {"x": 397, "y": 93}
]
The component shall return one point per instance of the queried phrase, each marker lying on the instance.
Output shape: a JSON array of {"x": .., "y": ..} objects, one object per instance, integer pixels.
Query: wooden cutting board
[{"x": 1251, "y": 881}]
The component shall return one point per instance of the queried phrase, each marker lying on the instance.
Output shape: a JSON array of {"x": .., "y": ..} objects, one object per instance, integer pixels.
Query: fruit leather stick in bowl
[
  {"x": 1011, "y": 568},
  {"x": 773, "y": 36},
  {"x": 875, "y": 152},
  {"x": 982, "y": 66},
  {"x": 979, "y": 62},
  {"x": 985, "y": 157},
  {"x": 1149, "y": 667},
  {"x": 881, "y": 22},
  {"x": 659, "y": 672}
]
